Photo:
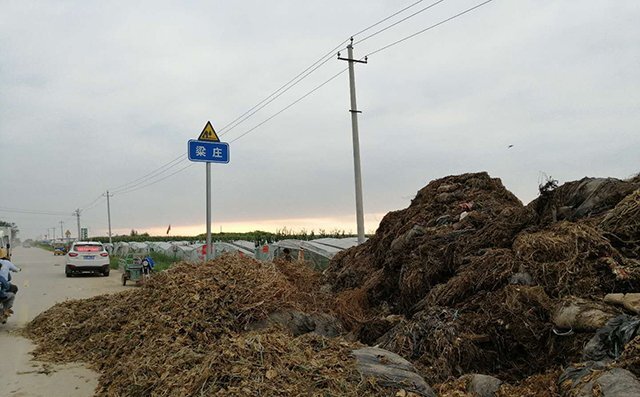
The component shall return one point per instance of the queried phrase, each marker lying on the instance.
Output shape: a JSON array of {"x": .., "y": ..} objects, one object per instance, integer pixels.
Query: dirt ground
[{"x": 42, "y": 283}]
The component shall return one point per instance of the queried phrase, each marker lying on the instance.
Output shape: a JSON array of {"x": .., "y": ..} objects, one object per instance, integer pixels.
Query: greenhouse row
[{"x": 318, "y": 252}]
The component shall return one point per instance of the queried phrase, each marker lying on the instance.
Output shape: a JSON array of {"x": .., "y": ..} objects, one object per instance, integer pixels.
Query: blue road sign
[{"x": 208, "y": 152}]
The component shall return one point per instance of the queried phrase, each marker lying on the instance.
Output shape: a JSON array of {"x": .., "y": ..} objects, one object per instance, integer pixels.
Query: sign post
[{"x": 208, "y": 149}]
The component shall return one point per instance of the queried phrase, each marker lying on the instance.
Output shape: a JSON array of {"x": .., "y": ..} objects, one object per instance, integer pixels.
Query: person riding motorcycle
[
  {"x": 6, "y": 298},
  {"x": 6, "y": 266}
]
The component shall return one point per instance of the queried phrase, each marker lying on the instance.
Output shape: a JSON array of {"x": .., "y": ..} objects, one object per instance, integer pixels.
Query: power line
[
  {"x": 269, "y": 99},
  {"x": 136, "y": 183},
  {"x": 400, "y": 21},
  {"x": 329, "y": 57},
  {"x": 144, "y": 181},
  {"x": 91, "y": 203},
  {"x": 32, "y": 212},
  {"x": 291, "y": 104},
  {"x": 96, "y": 202},
  {"x": 312, "y": 68},
  {"x": 156, "y": 181},
  {"x": 148, "y": 175},
  {"x": 387, "y": 18},
  {"x": 428, "y": 28}
]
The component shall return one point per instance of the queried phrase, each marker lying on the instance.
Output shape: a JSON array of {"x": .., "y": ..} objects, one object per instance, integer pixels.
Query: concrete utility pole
[
  {"x": 77, "y": 214},
  {"x": 61, "y": 231},
  {"x": 109, "y": 215},
  {"x": 356, "y": 140}
]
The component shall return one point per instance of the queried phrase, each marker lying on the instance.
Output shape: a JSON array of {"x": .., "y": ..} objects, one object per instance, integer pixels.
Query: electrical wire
[
  {"x": 32, "y": 212},
  {"x": 428, "y": 28},
  {"x": 277, "y": 93},
  {"x": 399, "y": 22},
  {"x": 136, "y": 183},
  {"x": 156, "y": 181},
  {"x": 82, "y": 207},
  {"x": 152, "y": 174},
  {"x": 146, "y": 180},
  {"x": 329, "y": 57},
  {"x": 291, "y": 104},
  {"x": 95, "y": 203},
  {"x": 312, "y": 68},
  {"x": 387, "y": 18}
]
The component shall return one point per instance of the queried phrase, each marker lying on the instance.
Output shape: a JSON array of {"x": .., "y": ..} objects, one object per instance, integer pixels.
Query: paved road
[{"x": 42, "y": 283}]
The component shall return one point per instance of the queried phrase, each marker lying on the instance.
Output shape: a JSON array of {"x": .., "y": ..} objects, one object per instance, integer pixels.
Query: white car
[{"x": 87, "y": 256}]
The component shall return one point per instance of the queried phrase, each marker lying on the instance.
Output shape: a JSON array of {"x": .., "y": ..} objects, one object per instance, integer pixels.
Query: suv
[{"x": 87, "y": 256}]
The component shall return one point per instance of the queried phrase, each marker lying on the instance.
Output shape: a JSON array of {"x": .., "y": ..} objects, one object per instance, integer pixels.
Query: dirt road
[{"x": 42, "y": 283}]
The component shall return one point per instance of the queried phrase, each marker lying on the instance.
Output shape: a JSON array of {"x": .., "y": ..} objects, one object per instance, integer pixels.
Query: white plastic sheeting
[
  {"x": 184, "y": 252},
  {"x": 233, "y": 247},
  {"x": 109, "y": 248},
  {"x": 162, "y": 247},
  {"x": 318, "y": 251},
  {"x": 121, "y": 249},
  {"x": 340, "y": 243},
  {"x": 311, "y": 251},
  {"x": 138, "y": 248}
]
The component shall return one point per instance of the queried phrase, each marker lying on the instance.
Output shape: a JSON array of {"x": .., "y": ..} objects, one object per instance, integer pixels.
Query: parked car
[{"x": 87, "y": 257}]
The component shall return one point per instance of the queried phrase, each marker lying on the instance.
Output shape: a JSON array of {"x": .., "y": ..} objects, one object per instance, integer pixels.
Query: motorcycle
[{"x": 12, "y": 289}]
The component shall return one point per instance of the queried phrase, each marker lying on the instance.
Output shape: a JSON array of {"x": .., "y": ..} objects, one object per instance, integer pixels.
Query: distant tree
[
  {"x": 14, "y": 228},
  {"x": 133, "y": 233}
]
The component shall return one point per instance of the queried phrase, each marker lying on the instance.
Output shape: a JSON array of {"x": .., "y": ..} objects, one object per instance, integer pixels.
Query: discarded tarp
[
  {"x": 298, "y": 323},
  {"x": 609, "y": 341},
  {"x": 389, "y": 369},
  {"x": 579, "y": 199},
  {"x": 594, "y": 379},
  {"x": 578, "y": 314},
  {"x": 630, "y": 301}
]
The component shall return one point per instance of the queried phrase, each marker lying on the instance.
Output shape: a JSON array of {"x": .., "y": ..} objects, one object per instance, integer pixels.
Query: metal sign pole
[
  {"x": 208, "y": 149},
  {"x": 208, "y": 211}
]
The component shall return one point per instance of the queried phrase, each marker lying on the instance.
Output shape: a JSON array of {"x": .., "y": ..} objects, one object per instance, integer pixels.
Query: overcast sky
[{"x": 97, "y": 94}]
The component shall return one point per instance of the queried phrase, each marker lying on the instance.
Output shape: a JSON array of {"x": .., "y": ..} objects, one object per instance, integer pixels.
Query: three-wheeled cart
[{"x": 132, "y": 269}]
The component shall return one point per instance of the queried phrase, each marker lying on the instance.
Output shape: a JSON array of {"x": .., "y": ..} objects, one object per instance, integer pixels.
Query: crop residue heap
[{"x": 464, "y": 281}]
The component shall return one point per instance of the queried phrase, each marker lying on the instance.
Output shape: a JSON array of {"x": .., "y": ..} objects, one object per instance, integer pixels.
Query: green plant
[{"x": 162, "y": 261}]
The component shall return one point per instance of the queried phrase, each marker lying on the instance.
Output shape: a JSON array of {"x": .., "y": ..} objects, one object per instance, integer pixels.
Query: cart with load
[{"x": 132, "y": 269}]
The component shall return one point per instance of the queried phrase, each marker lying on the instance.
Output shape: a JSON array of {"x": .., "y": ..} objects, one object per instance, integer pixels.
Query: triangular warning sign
[{"x": 208, "y": 134}]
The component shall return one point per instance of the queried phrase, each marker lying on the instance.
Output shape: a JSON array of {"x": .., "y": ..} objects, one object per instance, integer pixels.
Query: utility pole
[
  {"x": 356, "y": 140},
  {"x": 109, "y": 215},
  {"x": 61, "y": 231},
  {"x": 77, "y": 214},
  {"x": 53, "y": 229}
]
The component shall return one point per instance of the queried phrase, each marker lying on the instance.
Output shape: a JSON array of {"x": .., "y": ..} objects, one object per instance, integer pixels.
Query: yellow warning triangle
[{"x": 208, "y": 134}]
